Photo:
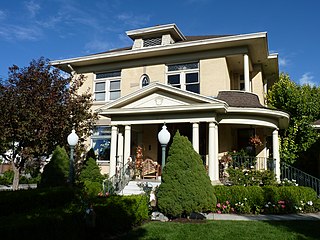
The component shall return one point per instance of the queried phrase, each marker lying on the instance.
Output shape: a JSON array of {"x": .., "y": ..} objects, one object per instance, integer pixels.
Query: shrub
[
  {"x": 91, "y": 178},
  {"x": 185, "y": 185},
  {"x": 251, "y": 177},
  {"x": 56, "y": 172},
  {"x": 268, "y": 199}
]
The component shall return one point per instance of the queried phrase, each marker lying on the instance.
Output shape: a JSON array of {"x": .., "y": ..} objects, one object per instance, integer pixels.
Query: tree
[
  {"x": 185, "y": 186},
  {"x": 303, "y": 105},
  {"x": 39, "y": 106},
  {"x": 91, "y": 177},
  {"x": 56, "y": 172}
]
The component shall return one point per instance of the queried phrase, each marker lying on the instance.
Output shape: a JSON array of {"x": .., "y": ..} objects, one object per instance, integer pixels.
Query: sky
[{"x": 60, "y": 29}]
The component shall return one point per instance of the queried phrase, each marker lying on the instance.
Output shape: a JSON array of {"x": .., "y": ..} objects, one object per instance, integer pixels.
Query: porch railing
[
  {"x": 302, "y": 179},
  {"x": 116, "y": 183},
  {"x": 258, "y": 163}
]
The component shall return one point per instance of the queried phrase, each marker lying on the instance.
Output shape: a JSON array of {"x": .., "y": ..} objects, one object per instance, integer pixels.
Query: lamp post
[
  {"x": 164, "y": 138},
  {"x": 72, "y": 141}
]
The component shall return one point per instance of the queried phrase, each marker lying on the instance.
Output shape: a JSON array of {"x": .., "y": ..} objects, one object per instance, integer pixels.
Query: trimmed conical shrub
[
  {"x": 56, "y": 172},
  {"x": 91, "y": 178},
  {"x": 185, "y": 186}
]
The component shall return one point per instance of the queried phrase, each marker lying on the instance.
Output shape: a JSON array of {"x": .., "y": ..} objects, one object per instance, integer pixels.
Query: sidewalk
[{"x": 286, "y": 217}]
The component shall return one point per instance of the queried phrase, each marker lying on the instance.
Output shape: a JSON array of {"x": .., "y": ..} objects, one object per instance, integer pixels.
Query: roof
[{"x": 240, "y": 99}]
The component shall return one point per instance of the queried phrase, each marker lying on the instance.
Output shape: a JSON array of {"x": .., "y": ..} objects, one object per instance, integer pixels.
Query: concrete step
[{"x": 133, "y": 187}]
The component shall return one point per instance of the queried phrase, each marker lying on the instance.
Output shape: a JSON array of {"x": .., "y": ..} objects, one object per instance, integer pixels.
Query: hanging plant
[{"x": 255, "y": 141}]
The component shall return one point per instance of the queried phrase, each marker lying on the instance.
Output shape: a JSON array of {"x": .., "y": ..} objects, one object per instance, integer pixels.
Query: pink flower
[
  {"x": 281, "y": 202},
  {"x": 224, "y": 206},
  {"x": 283, "y": 206},
  {"x": 218, "y": 205},
  {"x": 219, "y": 212},
  {"x": 227, "y": 202}
]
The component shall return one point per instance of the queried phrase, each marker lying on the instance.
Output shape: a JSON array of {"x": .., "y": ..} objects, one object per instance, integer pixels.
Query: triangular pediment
[{"x": 157, "y": 96}]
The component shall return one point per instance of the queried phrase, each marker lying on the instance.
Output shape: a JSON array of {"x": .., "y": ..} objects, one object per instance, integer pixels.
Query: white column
[
  {"x": 246, "y": 73},
  {"x": 120, "y": 150},
  {"x": 276, "y": 154},
  {"x": 127, "y": 143},
  {"x": 213, "y": 153},
  {"x": 113, "y": 151},
  {"x": 195, "y": 136}
]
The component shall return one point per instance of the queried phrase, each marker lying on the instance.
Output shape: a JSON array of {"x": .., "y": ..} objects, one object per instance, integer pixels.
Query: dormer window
[{"x": 148, "y": 42}]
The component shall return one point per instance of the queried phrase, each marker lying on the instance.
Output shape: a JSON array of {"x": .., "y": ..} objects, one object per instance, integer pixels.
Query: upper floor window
[
  {"x": 184, "y": 76},
  {"x": 145, "y": 80},
  {"x": 107, "y": 86}
]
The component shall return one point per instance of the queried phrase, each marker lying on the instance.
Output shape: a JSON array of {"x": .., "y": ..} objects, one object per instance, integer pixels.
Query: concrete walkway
[{"x": 286, "y": 217}]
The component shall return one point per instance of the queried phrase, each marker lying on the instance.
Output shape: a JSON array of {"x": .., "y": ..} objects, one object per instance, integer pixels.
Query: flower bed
[{"x": 266, "y": 200}]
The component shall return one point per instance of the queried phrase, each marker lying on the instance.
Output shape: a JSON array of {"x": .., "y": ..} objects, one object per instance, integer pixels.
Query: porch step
[{"x": 133, "y": 187}]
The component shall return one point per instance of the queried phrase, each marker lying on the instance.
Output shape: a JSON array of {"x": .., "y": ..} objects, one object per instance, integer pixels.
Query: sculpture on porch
[
  {"x": 139, "y": 159},
  {"x": 145, "y": 168}
]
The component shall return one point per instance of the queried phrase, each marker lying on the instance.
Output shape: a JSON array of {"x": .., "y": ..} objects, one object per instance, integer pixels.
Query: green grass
[{"x": 228, "y": 230}]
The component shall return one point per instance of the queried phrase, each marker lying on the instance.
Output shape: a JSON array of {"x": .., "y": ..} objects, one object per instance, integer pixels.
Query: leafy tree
[
  {"x": 56, "y": 172},
  {"x": 185, "y": 185},
  {"x": 303, "y": 104},
  {"x": 39, "y": 106}
]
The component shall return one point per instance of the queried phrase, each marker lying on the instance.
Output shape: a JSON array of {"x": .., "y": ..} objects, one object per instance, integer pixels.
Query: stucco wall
[
  {"x": 257, "y": 83},
  {"x": 130, "y": 77},
  {"x": 214, "y": 76}
]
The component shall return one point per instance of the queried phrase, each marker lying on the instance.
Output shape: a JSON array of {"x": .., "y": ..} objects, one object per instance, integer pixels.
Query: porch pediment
[{"x": 159, "y": 96}]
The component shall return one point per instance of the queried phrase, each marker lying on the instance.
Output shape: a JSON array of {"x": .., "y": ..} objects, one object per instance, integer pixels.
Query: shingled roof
[
  {"x": 188, "y": 39},
  {"x": 240, "y": 99}
]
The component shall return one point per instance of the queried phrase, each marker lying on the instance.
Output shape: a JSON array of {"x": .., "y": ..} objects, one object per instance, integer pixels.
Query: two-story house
[{"x": 210, "y": 88}]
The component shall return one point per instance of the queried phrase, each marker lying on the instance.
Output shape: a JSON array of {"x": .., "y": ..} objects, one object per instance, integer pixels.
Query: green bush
[
  {"x": 117, "y": 214},
  {"x": 22, "y": 201},
  {"x": 56, "y": 172},
  {"x": 91, "y": 178},
  {"x": 185, "y": 185},
  {"x": 250, "y": 177},
  {"x": 268, "y": 199}
]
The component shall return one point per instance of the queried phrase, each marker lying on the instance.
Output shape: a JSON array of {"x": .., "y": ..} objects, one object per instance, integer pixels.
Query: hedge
[{"x": 268, "y": 199}]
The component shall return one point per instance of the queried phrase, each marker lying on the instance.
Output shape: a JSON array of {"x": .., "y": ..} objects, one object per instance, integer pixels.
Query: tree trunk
[{"x": 16, "y": 176}]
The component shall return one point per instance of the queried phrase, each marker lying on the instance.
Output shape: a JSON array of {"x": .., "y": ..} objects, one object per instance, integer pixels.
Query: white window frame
[
  {"x": 182, "y": 73},
  {"x": 107, "y": 91}
]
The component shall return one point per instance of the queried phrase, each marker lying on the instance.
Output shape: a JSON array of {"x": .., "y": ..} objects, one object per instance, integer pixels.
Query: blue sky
[{"x": 58, "y": 29}]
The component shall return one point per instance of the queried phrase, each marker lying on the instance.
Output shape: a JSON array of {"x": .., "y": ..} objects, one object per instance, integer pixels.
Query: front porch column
[
  {"x": 213, "y": 153},
  {"x": 113, "y": 151},
  {"x": 127, "y": 143},
  {"x": 246, "y": 73},
  {"x": 276, "y": 154},
  {"x": 195, "y": 136},
  {"x": 120, "y": 150}
]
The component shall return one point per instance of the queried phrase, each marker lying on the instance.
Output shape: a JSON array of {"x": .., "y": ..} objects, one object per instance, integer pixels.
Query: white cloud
[
  {"x": 3, "y": 15},
  {"x": 307, "y": 78},
  {"x": 283, "y": 62},
  {"x": 33, "y": 8},
  {"x": 14, "y": 32},
  {"x": 96, "y": 46},
  {"x": 133, "y": 20}
]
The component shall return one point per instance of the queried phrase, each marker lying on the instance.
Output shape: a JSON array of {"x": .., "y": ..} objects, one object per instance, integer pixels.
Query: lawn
[{"x": 227, "y": 230}]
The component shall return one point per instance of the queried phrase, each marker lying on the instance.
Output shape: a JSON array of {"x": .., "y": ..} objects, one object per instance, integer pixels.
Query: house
[{"x": 210, "y": 88}]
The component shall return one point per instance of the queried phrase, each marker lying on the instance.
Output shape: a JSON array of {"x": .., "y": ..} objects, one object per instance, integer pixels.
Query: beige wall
[
  {"x": 214, "y": 76},
  {"x": 130, "y": 77},
  {"x": 257, "y": 83}
]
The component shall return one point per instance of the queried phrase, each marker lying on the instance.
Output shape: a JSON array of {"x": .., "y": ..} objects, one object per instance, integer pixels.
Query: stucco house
[{"x": 210, "y": 88}]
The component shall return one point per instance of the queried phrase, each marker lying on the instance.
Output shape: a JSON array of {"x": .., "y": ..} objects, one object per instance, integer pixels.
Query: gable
[{"x": 158, "y": 96}]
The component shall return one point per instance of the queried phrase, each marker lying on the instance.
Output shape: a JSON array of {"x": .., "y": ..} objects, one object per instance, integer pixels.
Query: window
[
  {"x": 145, "y": 80},
  {"x": 107, "y": 86},
  {"x": 184, "y": 76},
  {"x": 148, "y": 42},
  {"x": 101, "y": 141}
]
